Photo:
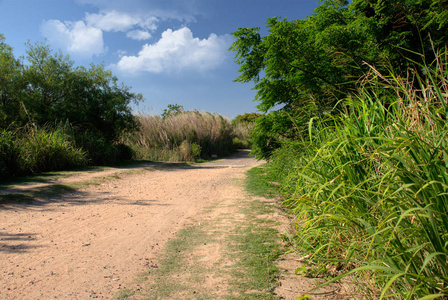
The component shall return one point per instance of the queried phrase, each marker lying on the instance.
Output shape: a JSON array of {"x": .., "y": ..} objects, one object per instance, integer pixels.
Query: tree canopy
[
  {"x": 246, "y": 118},
  {"x": 50, "y": 89},
  {"x": 172, "y": 110},
  {"x": 306, "y": 66}
]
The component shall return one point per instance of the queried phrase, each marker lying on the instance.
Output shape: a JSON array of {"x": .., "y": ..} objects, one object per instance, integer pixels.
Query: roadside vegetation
[
  {"x": 184, "y": 136},
  {"x": 243, "y": 126},
  {"x": 56, "y": 116},
  {"x": 359, "y": 149}
]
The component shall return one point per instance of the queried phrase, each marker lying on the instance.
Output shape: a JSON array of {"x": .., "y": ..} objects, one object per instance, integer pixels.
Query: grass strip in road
[
  {"x": 254, "y": 246},
  {"x": 228, "y": 257}
]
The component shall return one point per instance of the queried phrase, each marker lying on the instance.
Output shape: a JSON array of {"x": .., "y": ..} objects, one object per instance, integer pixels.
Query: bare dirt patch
[{"x": 92, "y": 243}]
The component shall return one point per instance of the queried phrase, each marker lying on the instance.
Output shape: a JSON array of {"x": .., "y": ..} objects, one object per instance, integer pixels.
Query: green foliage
[
  {"x": 9, "y": 154},
  {"x": 32, "y": 151},
  {"x": 172, "y": 110},
  {"x": 124, "y": 152},
  {"x": 50, "y": 90},
  {"x": 196, "y": 151},
  {"x": 360, "y": 157},
  {"x": 99, "y": 149},
  {"x": 246, "y": 118},
  {"x": 241, "y": 144},
  {"x": 369, "y": 186},
  {"x": 10, "y": 85},
  {"x": 51, "y": 150},
  {"x": 270, "y": 131},
  {"x": 307, "y": 66},
  {"x": 401, "y": 28},
  {"x": 243, "y": 127}
]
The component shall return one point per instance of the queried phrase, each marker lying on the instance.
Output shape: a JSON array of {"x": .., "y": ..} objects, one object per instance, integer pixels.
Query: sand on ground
[{"x": 93, "y": 242}]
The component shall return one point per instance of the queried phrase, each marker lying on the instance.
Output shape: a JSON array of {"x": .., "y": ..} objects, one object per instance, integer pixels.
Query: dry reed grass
[{"x": 182, "y": 137}]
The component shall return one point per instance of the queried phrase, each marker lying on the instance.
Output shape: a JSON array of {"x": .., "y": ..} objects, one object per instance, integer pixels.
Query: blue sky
[{"x": 171, "y": 51}]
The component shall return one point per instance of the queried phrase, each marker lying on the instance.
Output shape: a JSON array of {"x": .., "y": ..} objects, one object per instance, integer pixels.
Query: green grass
[
  {"x": 31, "y": 151},
  {"x": 244, "y": 269},
  {"x": 369, "y": 186},
  {"x": 254, "y": 276},
  {"x": 261, "y": 182}
]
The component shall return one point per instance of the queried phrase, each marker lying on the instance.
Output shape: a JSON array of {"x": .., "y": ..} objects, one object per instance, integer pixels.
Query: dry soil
[{"x": 92, "y": 242}]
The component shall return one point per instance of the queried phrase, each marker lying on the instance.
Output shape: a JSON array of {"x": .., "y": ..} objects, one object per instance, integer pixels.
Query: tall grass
[
  {"x": 29, "y": 151},
  {"x": 182, "y": 137},
  {"x": 243, "y": 132},
  {"x": 370, "y": 187}
]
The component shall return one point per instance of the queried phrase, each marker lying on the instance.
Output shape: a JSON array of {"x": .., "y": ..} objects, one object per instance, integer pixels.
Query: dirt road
[{"x": 92, "y": 242}]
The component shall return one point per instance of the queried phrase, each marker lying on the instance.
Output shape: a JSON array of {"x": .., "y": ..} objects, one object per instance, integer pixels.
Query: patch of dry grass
[{"x": 182, "y": 137}]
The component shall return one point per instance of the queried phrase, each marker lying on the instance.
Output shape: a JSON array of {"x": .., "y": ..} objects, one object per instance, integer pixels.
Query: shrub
[
  {"x": 9, "y": 154},
  {"x": 31, "y": 151},
  {"x": 243, "y": 132},
  {"x": 124, "y": 152},
  {"x": 100, "y": 151},
  {"x": 50, "y": 150}
]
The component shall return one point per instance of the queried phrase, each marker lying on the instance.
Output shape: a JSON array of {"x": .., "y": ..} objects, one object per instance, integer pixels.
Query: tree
[
  {"x": 307, "y": 66},
  {"x": 10, "y": 86},
  {"x": 172, "y": 110},
  {"x": 246, "y": 118},
  {"x": 404, "y": 29},
  {"x": 90, "y": 99}
]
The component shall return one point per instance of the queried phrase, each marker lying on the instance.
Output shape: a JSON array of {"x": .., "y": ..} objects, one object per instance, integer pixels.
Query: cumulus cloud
[
  {"x": 76, "y": 37},
  {"x": 138, "y": 35},
  {"x": 176, "y": 51},
  {"x": 117, "y": 21},
  {"x": 85, "y": 37}
]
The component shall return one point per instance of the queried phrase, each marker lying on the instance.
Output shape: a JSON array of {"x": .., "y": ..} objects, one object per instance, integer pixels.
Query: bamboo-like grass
[{"x": 370, "y": 186}]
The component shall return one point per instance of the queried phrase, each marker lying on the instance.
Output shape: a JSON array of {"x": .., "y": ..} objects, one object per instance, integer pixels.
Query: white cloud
[
  {"x": 138, "y": 35},
  {"x": 117, "y": 21},
  {"x": 178, "y": 50},
  {"x": 85, "y": 37},
  {"x": 181, "y": 10},
  {"x": 121, "y": 53},
  {"x": 75, "y": 37}
]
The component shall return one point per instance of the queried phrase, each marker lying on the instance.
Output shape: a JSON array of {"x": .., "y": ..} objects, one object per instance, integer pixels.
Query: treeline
[
  {"x": 360, "y": 146},
  {"x": 49, "y": 107},
  {"x": 57, "y": 116}
]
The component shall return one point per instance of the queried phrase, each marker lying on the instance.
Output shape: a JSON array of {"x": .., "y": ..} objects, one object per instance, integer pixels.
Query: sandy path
[{"x": 89, "y": 244}]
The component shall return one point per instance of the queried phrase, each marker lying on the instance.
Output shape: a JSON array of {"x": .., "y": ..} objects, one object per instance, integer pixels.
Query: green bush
[
  {"x": 9, "y": 154},
  {"x": 32, "y": 151},
  {"x": 241, "y": 144},
  {"x": 47, "y": 150},
  {"x": 100, "y": 151},
  {"x": 196, "y": 150},
  {"x": 125, "y": 152}
]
